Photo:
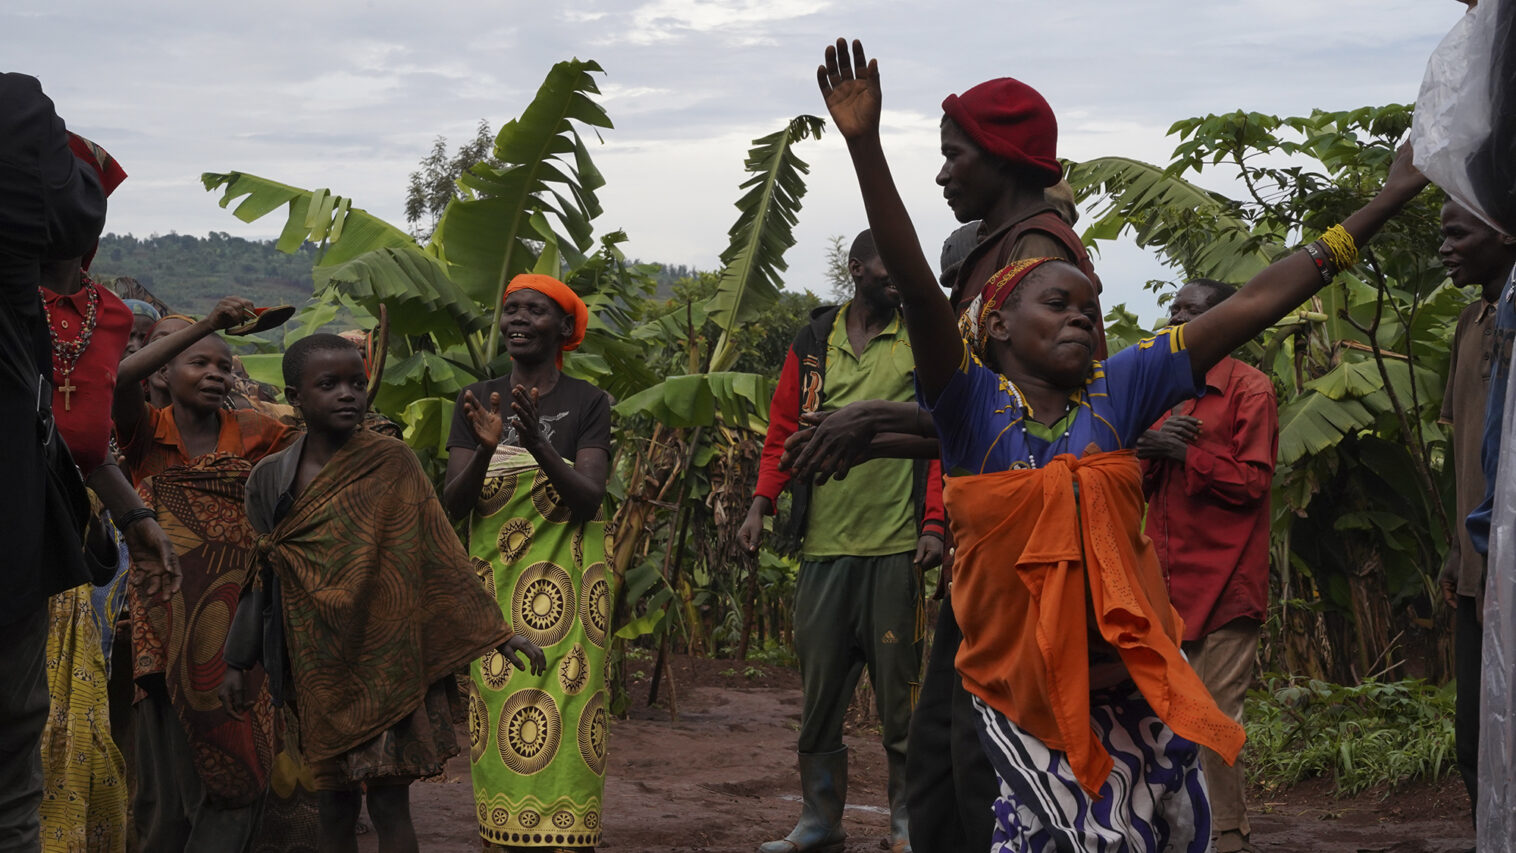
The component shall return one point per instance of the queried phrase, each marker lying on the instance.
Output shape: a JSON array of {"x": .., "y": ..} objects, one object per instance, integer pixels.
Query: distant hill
[{"x": 191, "y": 273}]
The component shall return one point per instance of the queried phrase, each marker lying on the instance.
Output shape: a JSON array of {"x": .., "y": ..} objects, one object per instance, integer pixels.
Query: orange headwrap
[{"x": 560, "y": 293}]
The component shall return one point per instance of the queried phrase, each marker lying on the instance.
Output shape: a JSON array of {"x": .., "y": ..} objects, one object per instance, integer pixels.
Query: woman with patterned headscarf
[{"x": 528, "y": 456}]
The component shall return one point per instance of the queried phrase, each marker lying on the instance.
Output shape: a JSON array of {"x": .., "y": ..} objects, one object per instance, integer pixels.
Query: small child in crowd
[{"x": 377, "y": 602}]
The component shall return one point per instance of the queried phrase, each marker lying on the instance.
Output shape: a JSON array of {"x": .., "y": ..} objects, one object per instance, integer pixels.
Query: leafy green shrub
[{"x": 1374, "y": 734}]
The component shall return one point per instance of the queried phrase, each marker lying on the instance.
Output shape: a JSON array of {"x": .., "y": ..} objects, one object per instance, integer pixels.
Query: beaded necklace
[
  {"x": 66, "y": 354},
  {"x": 1026, "y": 412}
]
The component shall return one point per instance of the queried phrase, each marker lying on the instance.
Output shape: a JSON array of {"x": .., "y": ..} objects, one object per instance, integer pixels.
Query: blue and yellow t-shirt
[{"x": 983, "y": 427}]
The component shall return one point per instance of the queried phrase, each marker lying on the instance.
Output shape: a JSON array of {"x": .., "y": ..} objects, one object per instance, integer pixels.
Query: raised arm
[
  {"x": 129, "y": 404},
  {"x": 851, "y": 89},
  {"x": 1284, "y": 284}
]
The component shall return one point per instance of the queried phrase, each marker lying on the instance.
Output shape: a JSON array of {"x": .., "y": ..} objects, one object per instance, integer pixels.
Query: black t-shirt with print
[{"x": 574, "y": 415}]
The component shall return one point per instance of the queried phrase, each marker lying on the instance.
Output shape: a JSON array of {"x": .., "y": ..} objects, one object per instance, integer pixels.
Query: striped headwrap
[{"x": 974, "y": 322}]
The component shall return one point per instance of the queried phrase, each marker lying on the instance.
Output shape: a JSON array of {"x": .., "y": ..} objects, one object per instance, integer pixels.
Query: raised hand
[
  {"x": 1404, "y": 180},
  {"x": 851, "y": 89},
  {"x": 230, "y": 311},
  {"x": 487, "y": 424}
]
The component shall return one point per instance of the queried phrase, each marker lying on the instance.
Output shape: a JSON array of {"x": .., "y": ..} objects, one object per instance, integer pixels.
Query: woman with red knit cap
[
  {"x": 1086, "y": 707},
  {"x": 527, "y": 461}
]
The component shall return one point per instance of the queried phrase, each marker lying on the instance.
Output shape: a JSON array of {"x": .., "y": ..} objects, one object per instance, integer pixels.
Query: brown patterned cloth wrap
[
  {"x": 380, "y": 600},
  {"x": 200, "y": 507}
]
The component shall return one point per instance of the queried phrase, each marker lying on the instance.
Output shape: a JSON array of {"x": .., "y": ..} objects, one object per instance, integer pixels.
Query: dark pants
[
  {"x": 23, "y": 713},
  {"x": 170, "y": 805},
  {"x": 852, "y": 612},
  {"x": 951, "y": 786},
  {"x": 1468, "y": 651}
]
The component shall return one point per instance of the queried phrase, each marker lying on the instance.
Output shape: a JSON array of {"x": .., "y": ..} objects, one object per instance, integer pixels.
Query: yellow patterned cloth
[
  {"x": 538, "y": 743},
  {"x": 84, "y": 776}
]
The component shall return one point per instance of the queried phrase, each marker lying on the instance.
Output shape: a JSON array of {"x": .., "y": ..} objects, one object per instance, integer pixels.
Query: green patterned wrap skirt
[{"x": 538, "y": 743}]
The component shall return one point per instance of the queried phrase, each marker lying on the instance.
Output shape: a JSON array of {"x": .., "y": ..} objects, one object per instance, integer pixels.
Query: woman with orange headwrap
[{"x": 528, "y": 456}]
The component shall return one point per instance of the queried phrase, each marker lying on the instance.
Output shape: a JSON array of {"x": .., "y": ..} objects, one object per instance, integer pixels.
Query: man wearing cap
[{"x": 999, "y": 149}]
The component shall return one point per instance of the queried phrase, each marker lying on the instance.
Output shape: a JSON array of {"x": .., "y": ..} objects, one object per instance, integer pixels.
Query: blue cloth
[
  {"x": 980, "y": 421},
  {"x": 1489, "y": 450},
  {"x": 107, "y": 602}
]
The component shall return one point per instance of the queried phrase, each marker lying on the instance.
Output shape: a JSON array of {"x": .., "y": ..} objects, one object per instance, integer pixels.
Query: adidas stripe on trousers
[{"x": 852, "y": 613}]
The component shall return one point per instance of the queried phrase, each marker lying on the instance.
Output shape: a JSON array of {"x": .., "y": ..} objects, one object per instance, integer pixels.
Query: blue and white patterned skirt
[{"x": 1154, "y": 800}]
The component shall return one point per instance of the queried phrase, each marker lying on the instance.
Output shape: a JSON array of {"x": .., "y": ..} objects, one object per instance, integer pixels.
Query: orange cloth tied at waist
[{"x": 1032, "y": 544}]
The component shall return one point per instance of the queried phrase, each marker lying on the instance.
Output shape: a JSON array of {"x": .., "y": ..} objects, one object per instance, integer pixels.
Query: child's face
[
  {"x": 200, "y": 377},
  {"x": 1047, "y": 329},
  {"x": 142, "y": 326},
  {"x": 333, "y": 391}
]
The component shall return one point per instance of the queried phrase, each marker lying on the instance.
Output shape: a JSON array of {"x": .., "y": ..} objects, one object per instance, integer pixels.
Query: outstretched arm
[
  {"x": 1286, "y": 283},
  {"x": 850, "y": 86}
]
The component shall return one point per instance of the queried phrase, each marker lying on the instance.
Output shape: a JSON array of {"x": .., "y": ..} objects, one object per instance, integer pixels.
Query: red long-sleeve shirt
[{"x": 1208, "y": 516}]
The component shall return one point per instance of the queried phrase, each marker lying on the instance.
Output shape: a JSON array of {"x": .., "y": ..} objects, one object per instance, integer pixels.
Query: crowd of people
[{"x": 230, "y": 621}]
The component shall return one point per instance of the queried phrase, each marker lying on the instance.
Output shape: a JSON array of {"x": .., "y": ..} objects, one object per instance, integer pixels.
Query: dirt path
[{"x": 722, "y": 779}]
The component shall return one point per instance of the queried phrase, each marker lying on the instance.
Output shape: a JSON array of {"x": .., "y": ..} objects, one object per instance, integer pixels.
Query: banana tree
[{"x": 1359, "y": 530}]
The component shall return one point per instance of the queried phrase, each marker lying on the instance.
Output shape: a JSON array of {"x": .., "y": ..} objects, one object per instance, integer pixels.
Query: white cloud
[
  {"x": 349, "y": 94},
  {"x": 741, "y": 21}
]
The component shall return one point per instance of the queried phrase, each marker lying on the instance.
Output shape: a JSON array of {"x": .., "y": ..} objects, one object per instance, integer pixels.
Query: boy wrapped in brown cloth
[{"x": 376, "y": 599}]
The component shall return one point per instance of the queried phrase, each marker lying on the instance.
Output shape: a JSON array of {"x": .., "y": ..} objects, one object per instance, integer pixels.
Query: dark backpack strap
[{"x": 810, "y": 352}]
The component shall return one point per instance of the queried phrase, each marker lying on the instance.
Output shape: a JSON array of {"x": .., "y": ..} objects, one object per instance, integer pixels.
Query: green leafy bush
[{"x": 1372, "y": 735}]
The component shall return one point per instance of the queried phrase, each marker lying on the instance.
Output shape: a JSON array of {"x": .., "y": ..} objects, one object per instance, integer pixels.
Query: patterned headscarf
[
  {"x": 566, "y": 298},
  {"x": 974, "y": 322}
]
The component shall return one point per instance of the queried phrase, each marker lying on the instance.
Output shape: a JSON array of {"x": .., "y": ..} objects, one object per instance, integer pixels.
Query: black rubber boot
[
  {"x": 823, "y": 791},
  {"x": 900, "y": 831}
]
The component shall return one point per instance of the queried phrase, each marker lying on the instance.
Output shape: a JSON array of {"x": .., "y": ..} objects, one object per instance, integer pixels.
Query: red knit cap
[{"x": 1010, "y": 120}]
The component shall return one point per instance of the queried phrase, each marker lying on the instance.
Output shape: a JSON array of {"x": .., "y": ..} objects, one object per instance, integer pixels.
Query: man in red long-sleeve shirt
[
  {"x": 863, "y": 541},
  {"x": 1207, "y": 471}
]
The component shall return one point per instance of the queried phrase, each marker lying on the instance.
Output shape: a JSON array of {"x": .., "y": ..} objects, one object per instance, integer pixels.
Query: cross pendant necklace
[{"x": 68, "y": 388}]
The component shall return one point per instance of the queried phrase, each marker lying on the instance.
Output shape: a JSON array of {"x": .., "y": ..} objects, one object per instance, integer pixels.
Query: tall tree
[
  {"x": 1361, "y": 494},
  {"x": 436, "y": 183}
]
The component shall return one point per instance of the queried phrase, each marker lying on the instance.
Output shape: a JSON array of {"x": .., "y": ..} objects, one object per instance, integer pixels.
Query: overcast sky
[{"x": 350, "y": 95}]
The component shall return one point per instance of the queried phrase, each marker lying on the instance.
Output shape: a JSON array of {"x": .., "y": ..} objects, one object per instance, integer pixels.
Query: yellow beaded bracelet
[{"x": 1340, "y": 243}]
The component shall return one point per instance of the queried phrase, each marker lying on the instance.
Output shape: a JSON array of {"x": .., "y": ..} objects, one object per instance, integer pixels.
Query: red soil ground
[{"x": 722, "y": 779}]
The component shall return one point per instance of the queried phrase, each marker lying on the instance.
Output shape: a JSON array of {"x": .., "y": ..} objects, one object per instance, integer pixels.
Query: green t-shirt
[{"x": 870, "y": 513}]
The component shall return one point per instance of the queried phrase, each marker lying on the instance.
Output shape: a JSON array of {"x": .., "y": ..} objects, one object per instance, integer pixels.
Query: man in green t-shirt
[{"x": 864, "y": 542}]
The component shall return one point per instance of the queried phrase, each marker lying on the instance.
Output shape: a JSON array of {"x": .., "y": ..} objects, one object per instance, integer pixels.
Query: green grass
[{"x": 1372, "y": 735}]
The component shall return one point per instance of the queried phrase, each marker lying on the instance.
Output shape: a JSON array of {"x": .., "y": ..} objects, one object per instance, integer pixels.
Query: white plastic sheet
[
  {"x": 1497, "y": 706},
  {"x": 1452, "y": 122}
]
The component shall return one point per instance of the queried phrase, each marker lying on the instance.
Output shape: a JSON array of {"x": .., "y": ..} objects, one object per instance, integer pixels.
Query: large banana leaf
[
  {"x": 764, "y": 231},
  {"x": 318, "y": 216},
  {"x": 545, "y": 174},
  {"x": 362, "y": 256},
  {"x": 1311, "y": 423},
  {"x": 693, "y": 400},
  {"x": 1344, "y": 400},
  {"x": 1193, "y": 228}
]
